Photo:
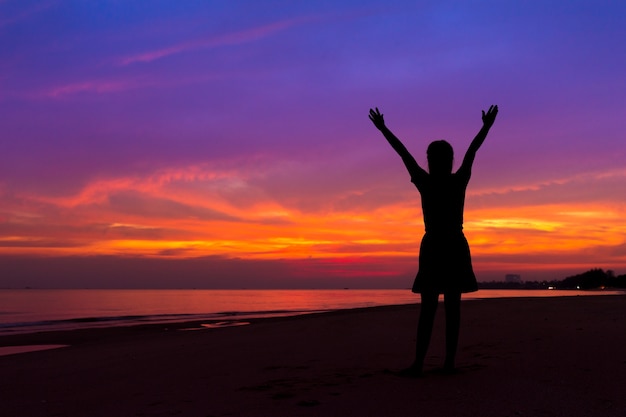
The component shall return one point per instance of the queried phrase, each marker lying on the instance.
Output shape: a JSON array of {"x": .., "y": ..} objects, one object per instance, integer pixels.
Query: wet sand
[{"x": 517, "y": 357}]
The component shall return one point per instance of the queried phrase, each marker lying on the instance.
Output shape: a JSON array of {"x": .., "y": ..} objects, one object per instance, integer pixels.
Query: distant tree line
[{"x": 591, "y": 280}]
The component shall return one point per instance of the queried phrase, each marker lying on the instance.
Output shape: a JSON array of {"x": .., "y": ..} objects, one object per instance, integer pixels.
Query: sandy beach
[{"x": 517, "y": 357}]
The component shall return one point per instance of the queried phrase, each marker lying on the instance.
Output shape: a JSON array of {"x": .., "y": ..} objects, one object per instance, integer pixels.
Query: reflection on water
[
  {"x": 23, "y": 311},
  {"x": 224, "y": 324}
]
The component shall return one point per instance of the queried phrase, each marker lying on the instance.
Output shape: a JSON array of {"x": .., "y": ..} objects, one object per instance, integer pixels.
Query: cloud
[
  {"x": 136, "y": 231},
  {"x": 270, "y": 209},
  {"x": 202, "y": 272},
  {"x": 94, "y": 86},
  {"x": 598, "y": 186},
  {"x": 20, "y": 242},
  {"x": 233, "y": 38},
  {"x": 127, "y": 83},
  {"x": 148, "y": 207}
]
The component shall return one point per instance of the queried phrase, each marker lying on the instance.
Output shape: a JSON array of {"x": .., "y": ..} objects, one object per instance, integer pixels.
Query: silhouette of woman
[{"x": 445, "y": 265}]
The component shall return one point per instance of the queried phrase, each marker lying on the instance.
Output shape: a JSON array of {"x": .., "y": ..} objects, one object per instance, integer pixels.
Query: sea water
[{"x": 35, "y": 310}]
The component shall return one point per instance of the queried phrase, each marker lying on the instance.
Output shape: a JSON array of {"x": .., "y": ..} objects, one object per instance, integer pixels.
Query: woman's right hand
[{"x": 490, "y": 116}]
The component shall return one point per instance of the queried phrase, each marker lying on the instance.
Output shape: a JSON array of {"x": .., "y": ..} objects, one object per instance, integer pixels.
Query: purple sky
[{"x": 156, "y": 120}]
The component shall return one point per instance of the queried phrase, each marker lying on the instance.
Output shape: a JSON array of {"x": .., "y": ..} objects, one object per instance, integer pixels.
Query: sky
[{"x": 226, "y": 144}]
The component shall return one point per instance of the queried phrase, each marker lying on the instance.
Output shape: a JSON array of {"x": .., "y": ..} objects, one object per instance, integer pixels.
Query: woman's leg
[
  {"x": 452, "y": 303},
  {"x": 425, "y": 327}
]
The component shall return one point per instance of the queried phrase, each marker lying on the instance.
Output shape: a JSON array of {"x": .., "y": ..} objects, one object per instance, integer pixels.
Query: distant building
[{"x": 516, "y": 278}]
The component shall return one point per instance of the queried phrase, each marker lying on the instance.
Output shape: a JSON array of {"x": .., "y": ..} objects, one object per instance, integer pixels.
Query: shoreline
[
  {"x": 517, "y": 356},
  {"x": 107, "y": 332},
  {"x": 212, "y": 322},
  {"x": 19, "y": 317}
]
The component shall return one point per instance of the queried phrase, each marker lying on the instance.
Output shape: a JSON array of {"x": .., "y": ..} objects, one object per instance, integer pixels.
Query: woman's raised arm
[
  {"x": 488, "y": 119},
  {"x": 411, "y": 165}
]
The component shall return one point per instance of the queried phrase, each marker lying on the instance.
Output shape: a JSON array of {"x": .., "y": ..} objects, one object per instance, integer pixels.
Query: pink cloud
[
  {"x": 233, "y": 38},
  {"x": 109, "y": 86},
  {"x": 94, "y": 86}
]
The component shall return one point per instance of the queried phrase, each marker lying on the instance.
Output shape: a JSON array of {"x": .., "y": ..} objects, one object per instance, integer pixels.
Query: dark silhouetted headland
[{"x": 592, "y": 279}]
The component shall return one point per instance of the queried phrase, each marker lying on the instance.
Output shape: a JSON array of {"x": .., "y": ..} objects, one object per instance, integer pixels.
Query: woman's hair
[{"x": 440, "y": 156}]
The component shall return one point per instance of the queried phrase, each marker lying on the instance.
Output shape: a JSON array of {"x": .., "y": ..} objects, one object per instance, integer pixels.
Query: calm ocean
[{"x": 26, "y": 311}]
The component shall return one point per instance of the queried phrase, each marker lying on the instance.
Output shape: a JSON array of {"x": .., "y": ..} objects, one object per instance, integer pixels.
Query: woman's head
[{"x": 440, "y": 156}]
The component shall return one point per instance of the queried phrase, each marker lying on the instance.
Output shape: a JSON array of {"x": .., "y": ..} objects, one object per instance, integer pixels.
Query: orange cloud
[{"x": 197, "y": 211}]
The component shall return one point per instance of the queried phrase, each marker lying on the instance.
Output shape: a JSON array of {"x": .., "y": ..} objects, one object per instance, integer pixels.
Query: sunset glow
[{"x": 238, "y": 132}]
